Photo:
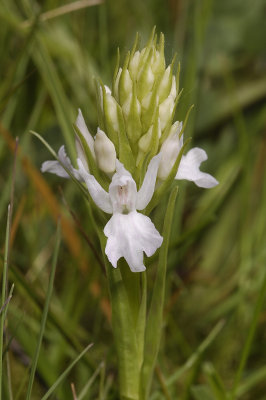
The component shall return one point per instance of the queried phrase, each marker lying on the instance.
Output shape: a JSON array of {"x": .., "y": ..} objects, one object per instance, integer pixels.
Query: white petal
[
  {"x": 100, "y": 197},
  {"x": 189, "y": 169},
  {"x": 85, "y": 132},
  {"x": 56, "y": 167},
  {"x": 147, "y": 188},
  {"x": 129, "y": 236}
]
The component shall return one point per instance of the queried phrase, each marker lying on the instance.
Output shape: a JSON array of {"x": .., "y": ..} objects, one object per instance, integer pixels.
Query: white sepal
[{"x": 100, "y": 197}]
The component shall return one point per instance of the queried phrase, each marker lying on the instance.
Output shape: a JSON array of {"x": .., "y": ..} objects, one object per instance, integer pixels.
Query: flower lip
[{"x": 129, "y": 236}]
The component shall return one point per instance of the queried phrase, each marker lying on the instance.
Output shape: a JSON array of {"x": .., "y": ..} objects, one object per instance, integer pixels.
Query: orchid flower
[
  {"x": 189, "y": 167},
  {"x": 129, "y": 233}
]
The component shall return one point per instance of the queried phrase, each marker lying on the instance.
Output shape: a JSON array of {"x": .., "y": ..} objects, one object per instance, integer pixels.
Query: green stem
[
  {"x": 155, "y": 318},
  {"x": 124, "y": 335}
]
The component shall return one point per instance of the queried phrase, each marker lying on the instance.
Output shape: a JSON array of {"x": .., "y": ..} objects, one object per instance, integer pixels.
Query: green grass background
[{"x": 216, "y": 271}]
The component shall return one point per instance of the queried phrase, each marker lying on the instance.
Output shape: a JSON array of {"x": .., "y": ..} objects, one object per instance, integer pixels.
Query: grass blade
[
  {"x": 45, "y": 313},
  {"x": 65, "y": 9},
  {"x": 3, "y": 296},
  {"x": 195, "y": 356},
  {"x": 250, "y": 337},
  {"x": 90, "y": 382},
  {"x": 53, "y": 83},
  {"x": 65, "y": 373},
  {"x": 252, "y": 381}
]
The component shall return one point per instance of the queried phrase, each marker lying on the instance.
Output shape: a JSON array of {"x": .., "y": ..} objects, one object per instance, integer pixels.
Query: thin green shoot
[
  {"x": 88, "y": 385},
  {"x": 65, "y": 373},
  {"x": 3, "y": 295},
  {"x": 45, "y": 313}
]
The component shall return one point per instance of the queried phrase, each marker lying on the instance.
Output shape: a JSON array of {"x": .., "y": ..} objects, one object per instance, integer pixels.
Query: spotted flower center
[
  {"x": 124, "y": 201},
  {"x": 123, "y": 197}
]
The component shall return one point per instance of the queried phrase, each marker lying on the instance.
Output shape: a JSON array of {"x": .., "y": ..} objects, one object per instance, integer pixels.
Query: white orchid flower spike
[{"x": 129, "y": 233}]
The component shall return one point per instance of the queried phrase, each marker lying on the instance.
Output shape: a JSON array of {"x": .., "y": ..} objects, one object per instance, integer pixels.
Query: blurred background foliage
[{"x": 49, "y": 59}]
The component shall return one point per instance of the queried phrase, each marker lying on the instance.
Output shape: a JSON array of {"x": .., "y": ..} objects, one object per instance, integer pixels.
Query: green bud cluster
[{"x": 138, "y": 113}]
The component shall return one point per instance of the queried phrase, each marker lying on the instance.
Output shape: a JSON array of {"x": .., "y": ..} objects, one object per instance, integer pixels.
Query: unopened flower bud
[
  {"x": 144, "y": 90},
  {"x": 146, "y": 101},
  {"x": 107, "y": 90},
  {"x": 145, "y": 82},
  {"x": 173, "y": 91},
  {"x": 134, "y": 65},
  {"x": 165, "y": 84},
  {"x": 105, "y": 152},
  {"x": 116, "y": 85},
  {"x": 169, "y": 151},
  {"x": 166, "y": 109},
  {"x": 132, "y": 114},
  {"x": 126, "y": 106},
  {"x": 125, "y": 86},
  {"x": 158, "y": 63},
  {"x": 111, "y": 110},
  {"x": 145, "y": 140}
]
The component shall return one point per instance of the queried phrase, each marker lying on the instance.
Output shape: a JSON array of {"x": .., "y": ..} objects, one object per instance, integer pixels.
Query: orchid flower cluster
[{"x": 134, "y": 151}]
